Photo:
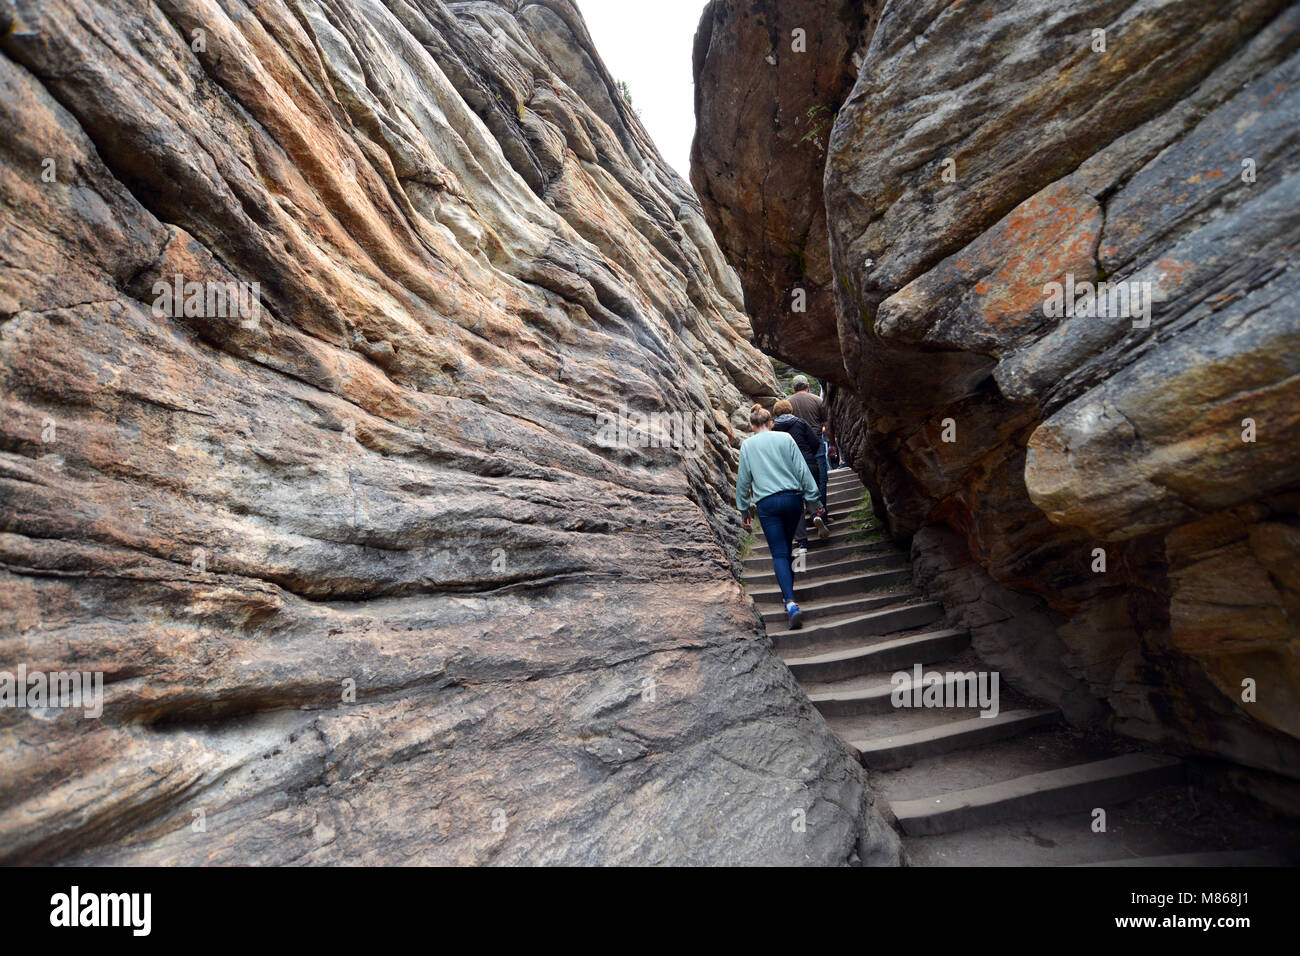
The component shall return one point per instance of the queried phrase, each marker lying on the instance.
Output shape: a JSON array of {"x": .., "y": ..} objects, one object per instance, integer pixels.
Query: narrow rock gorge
[
  {"x": 378, "y": 566},
  {"x": 1108, "y": 498}
]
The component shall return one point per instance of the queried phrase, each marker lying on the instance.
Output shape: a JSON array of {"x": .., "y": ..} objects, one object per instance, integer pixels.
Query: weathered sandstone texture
[
  {"x": 987, "y": 150},
  {"x": 765, "y": 99},
  {"x": 363, "y": 583}
]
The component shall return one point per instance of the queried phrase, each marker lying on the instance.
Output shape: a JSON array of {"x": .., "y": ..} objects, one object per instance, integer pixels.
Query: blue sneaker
[{"x": 796, "y": 616}]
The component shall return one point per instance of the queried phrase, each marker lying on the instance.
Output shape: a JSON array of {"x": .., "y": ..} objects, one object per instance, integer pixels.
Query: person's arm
[{"x": 744, "y": 481}]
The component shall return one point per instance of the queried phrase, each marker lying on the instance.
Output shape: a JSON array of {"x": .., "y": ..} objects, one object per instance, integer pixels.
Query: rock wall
[
  {"x": 764, "y": 106},
  {"x": 986, "y": 151},
  {"x": 365, "y": 581}
]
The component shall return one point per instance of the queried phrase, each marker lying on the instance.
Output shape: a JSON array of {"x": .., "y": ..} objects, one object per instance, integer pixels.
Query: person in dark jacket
[
  {"x": 787, "y": 421},
  {"x": 812, "y": 409}
]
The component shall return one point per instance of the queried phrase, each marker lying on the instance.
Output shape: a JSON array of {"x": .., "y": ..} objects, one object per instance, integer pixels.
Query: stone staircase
[{"x": 1019, "y": 788}]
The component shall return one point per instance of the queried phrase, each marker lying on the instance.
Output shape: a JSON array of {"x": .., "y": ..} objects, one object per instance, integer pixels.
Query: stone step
[
  {"x": 1050, "y": 793},
  {"x": 859, "y": 584},
  {"x": 840, "y": 535},
  {"x": 820, "y": 557},
  {"x": 1170, "y": 827},
  {"x": 840, "y": 515},
  {"x": 838, "y": 510},
  {"x": 900, "y": 750},
  {"x": 849, "y": 498},
  {"x": 875, "y": 698},
  {"x": 850, "y": 633},
  {"x": 836, "y": 608},
  {"x": 817, "y": 572},
  {"x": 1259, "y": 856},
  {"x": 899, "y": 652}
]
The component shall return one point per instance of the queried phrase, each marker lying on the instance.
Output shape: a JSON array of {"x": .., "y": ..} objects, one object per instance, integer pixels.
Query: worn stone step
[
  {"x": 840, "y": 535},
  {"x": 850, "y": 633},
  {"x": 900, "y": 750},
  {"x": 923, "y": 648},
  {"x": 840, "y": 521},
  {"x": 1050, "y": 793},
  {"x": 818, "y": 572},
  {"x": 848, "y": 498},
  {"x": 820, "y": 557},
  {"x": 859, "y": 583},
  {"x": 840, "y": 515},
  {"x": 1258, "y": 856},
  {"x": 875, "y": 698},
  {"x": 837, "y": 608},
  {"x": 1169, "y": 827}
]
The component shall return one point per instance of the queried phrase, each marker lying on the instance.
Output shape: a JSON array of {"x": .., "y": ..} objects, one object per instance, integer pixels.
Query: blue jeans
[
  {"x": 779, "y": 515},
  {"x": 823, "y": 468}
]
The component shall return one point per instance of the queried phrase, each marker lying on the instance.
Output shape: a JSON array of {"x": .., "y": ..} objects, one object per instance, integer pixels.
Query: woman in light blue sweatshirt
[{"x": 774, "y": 474}]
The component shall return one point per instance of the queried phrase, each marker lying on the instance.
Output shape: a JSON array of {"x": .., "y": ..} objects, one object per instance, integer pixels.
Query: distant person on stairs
[
  {"x": 812, "y": 410},
  {"x": 774, "y": 474},
  {"x": 803, "y": 435}
]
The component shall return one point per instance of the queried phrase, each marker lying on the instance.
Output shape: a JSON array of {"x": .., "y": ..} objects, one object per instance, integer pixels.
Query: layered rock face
[
  {"x": 768, "y": 79},
  {"x": 322, "y": 326},
  {"x": 1108, "y": 495}
]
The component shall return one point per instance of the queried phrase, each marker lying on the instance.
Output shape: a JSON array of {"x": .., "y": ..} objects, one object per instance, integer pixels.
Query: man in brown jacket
[{"x": 807, "y": 405}]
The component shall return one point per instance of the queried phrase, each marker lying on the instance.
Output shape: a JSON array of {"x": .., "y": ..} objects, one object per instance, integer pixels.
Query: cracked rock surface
[
  {"x": 985, "y": 151},
  {"x": 363, "y": 583}
]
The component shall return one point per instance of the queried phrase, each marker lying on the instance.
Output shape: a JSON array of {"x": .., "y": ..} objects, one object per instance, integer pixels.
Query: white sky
[{"x": 649, "y": 46}]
